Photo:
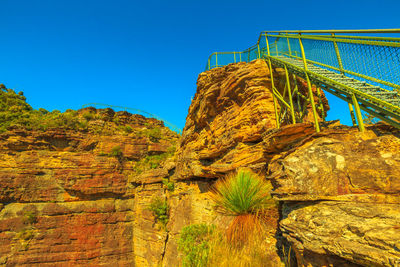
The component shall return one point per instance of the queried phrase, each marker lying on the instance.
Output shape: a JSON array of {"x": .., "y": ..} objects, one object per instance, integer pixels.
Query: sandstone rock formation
[
  {"x": 231, "y": 112},
  {"x": 71, "y": 198},
  {"x": 66, "y": 196},
  {"x": 339, "y": 189},
  {"x": 341, "y": 193}
]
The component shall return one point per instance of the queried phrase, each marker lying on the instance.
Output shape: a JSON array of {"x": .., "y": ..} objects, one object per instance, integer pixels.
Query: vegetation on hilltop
[{"x": 16, "y": 112}]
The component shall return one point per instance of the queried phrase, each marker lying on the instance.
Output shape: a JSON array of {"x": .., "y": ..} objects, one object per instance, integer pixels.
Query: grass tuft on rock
[
  {"x": 194, "y": 243},
  {"x": 160, "y": 210},
  {"x": 246, "y": 196}
]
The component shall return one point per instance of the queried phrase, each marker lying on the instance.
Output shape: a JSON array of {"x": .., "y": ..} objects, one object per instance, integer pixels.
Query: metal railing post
[
  {"x": 290, "y": 96},
  {"x": 216, "y": 60},
  {"x": 339, "y": 59},
  {"x": 321, "y": 105},
  {"x": 272, "y": 83},
  {"x": 358, "y": 113},
  {"x": 240, "y": 57},
  {"x": 310, "y": 92},
  {"x": 234, "y": 56},
  {"x": 288, "y": 43},
  {"x": 258, "y": 48},
  {"x": 296, "y": 90},
  {"x": 248, "y": 55},
  {"x": 353, "y": 118}
]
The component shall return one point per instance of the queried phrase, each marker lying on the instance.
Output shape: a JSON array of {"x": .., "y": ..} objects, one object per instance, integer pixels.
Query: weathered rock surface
[
  {"x": 66, "y": 196},
  {"x": 67, "y": 199},
  {"x": 341, "y": 196},
  {"x": 343, "y": 164},
  {"x": 232, "y": 109},
  {"x": 70, "y": 233},
  {"x": 339, "y": 189}
]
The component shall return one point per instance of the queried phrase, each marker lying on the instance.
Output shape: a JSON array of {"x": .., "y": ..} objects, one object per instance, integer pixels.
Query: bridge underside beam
[{"x": 360, "y": 100}]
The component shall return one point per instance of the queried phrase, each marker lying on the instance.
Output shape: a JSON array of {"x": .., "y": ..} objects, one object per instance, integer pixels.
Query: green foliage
[
  {"x": 168, "y": 184},
  {"x": 171, "y": 150},
  {"x": 12, "y": 108},
  {"x": 116, "y": 120},
  {"x": 15, "y": 111},
  {"x": 154, "y": 134},
  {"x": 242, "y": 193},
  {"x": 88, "y": 115},
  {"x": 160, "y": 210},
  {"x": 25, "y": 234},
  {"x": 150, "y": 162},
  {"x": 194, "y": 244},
  {"x": 101, "y": 153},
  {"x": 30, "y": 217},
  {"x": 116, "y": 152},
  {"x": 128, "y": 129}
]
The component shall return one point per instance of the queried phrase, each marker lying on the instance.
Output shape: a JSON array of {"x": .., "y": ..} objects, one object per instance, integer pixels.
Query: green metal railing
[
  {"x": 136, "y": 111},
  {"x": 362, "y": 69}
]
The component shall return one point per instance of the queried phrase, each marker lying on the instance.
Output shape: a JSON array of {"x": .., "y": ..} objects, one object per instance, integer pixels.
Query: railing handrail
[
  {"x": 263, "y": 33},
  {"x": 340, "y": 53},
  {"x": 339, "y": 31}
]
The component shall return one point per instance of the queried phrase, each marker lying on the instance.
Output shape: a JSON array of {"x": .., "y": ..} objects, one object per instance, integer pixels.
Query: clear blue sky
[{"x": 147, "y": 54}]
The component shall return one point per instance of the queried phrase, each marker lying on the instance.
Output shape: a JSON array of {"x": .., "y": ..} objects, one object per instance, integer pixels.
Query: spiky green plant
[
  {"x": 242, "y": 193},
  {"x": 246, "y": 196}
]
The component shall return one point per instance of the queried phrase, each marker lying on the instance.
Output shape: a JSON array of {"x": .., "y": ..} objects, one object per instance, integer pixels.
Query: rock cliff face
[
  {"x": 66, "y": 196},
  {"x": 231, "y": 113},
  {"x": 338, "y": 189},
  {"x": 341, "y": 195},
  {"x": 70, "y": 197}
]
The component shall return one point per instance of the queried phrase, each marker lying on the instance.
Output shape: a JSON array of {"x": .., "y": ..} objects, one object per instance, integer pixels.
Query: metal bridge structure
[
  {"x": 361, "y": 67},
  {"x": 135, "y": 111}
]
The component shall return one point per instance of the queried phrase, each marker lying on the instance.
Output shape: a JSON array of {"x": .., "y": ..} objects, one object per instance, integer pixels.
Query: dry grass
[
  {"x": 256, "y": 252},
  {"x": 246, "y": 196},
  {"x": 249, "y": 240}
]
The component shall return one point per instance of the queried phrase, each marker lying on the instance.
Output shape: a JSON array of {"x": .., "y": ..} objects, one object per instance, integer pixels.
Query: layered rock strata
[
  {"x": 341, "y": 193},
  {"x": 66, "y": 196},
  {"x": 338, "y": 189},
  {"x": 68, "y": 199}
]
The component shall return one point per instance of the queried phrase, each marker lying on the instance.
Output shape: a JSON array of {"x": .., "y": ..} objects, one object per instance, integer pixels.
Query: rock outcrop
[
  {"x": 338, "y": 189},
  {"x": 231, "y": 112},
  {"x": 341, "y": 193},
  {"x": 66, "y": 196},
  {"x": 82, "y": 197}
]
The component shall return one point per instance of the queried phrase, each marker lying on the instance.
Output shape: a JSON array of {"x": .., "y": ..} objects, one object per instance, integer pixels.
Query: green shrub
[
  {"x": 169, "y": 185},
  {"x": 154, "y": 134},
  {"x": 43, "y": 111},
  {"x": 246, "y": 196},
  {"x": 116, "y": 152},
  {"x": 242, "y": 193},
  {"x": 30, "y": 217},
  {"x": 128, "y": 129},
  {"x": 150, "y": 162},
  {"x": 26, "y": 234},
  {"x": 160, "y": 210},
  {"x": 171, "y": 149},
  {"x": 88, "y": 115},
  {"x": 194, "y": 244}
]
